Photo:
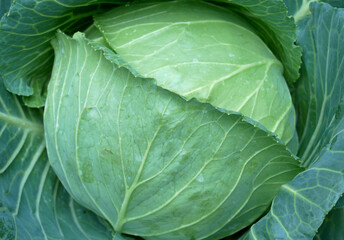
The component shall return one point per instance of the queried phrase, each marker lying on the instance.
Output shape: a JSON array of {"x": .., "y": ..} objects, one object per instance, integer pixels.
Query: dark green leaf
[
  {"x": 25, "y": 33},
  {"x": 119, "y": 236},
  {"x": 332, "y": 227},
  {"x": 33, "y": 203},
  {"x": 299, "y": 9},
  {"x": 294, "y": 6},
  {"x": 300, "y": 207},
  {"x": 4, "y": 6},
  {"x": 335, "y": 3},
  {"x": 321, "y": 87}
]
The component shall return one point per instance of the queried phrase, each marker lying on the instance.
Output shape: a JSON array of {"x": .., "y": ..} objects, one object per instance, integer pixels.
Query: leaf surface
[
  {"x": 332, "y": 227},
  {"x": 212, "y": 55},
  {"x": 137, "y": 154},
  {"x": 321, "y": 86},
  {"x": 273, "y": 25},
  {"x": 300, "y": 207},
  {"x": 26, "y": 30},
  {"x": 4, "y": 6},
  {"x": 302, "y": 204},
  {"x": 295, "y": 6},
  {"x": 33, "y": 202}
]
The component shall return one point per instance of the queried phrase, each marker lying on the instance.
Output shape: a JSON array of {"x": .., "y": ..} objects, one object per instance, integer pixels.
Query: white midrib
[
  {"x": 22, "y": 123},
  {"x": 303, "y": 11}
]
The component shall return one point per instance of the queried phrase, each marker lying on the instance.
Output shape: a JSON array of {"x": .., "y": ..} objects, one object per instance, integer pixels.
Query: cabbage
[{"x": 171, "y": 120}]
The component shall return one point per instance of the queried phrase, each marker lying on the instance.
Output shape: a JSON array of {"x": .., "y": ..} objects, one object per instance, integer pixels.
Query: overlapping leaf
[
  {"x": 321, "y": 88},
  {"x": 25, "y": 32},
  {"x": 271, "y": 20},
  {"x": 212, "y": 55},
  {"x": 332, "y": 227},
  {"x": 335, "y": 3},
  {"x": 299, "y": 209},
  {"x": 300, "y": 8},
  {"x": 33, "y": 203},
  {"x": 295, "y": 6},
  {"x": 134, "y": 152}
]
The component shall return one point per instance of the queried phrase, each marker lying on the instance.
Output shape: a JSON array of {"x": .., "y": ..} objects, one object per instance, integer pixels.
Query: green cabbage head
[{"x": 171, "y": 120}]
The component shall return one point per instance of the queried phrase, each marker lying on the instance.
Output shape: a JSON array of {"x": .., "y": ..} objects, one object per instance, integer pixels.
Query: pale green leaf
[
  {"x": 93, "y": 33},
  {"x": 271, "y": 21},
  {"x": 136, "y": 154},
  {"x": 39, "y": 87},
  {"x": 212, "y": 55}
]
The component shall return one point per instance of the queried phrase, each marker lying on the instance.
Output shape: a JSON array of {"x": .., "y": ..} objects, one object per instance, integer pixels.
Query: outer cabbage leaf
[
  {"x": 33, "y": 203},
  {"x": 295, "y": 6},
  {"x": 335, "y": 3},
  {"x": 26, "y": 55},
  {"x": 212, "y": 55},
  {"x": 151, "y": 163},
  {"x": 300, "y": 8},
  {"x": 300, "y": 207},
  {"x": 332, "y": 227},
  {"x": 119, "y": 236},
  {"x": 321, "y": 88}
]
